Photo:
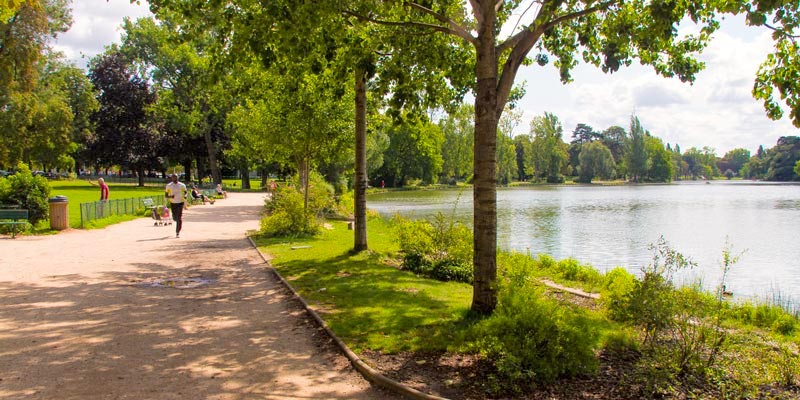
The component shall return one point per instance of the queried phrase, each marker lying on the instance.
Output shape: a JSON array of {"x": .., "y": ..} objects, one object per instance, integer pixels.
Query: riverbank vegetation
[{"x": 643, "y": 338}]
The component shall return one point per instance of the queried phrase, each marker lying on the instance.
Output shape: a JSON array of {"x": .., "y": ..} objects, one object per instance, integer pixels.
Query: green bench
[{"x": 13, "y": 217}]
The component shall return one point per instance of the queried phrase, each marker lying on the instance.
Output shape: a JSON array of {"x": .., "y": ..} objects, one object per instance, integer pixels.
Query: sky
[{"x": 717, "y": 111}]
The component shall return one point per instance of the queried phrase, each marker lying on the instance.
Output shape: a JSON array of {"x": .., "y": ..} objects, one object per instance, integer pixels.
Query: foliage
[
  {"x": 459, "y": 135},
  {"x": 595, "y": 160},
  {"x": 701, "y": 163},
  {"x": 636, "y": 151},
  {"x": 616, "y": 293},
  {"x": 659, "y": 160},
  {"x": 532, "y": 339},
  {"x": 734, "y": 160},
  {"x": 548, "y": 150},
  {"x": 28, "y": 192},
  {"x": 441, "y": 249},
  {"x": 125, "y": 132},
  {"x": 24, "y": 37},
  {"x": 415, "y": 152},
  {"x": 287, "y": 213}
]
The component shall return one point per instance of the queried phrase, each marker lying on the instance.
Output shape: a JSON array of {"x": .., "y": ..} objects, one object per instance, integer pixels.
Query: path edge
[{"x": 363, "y": 368}]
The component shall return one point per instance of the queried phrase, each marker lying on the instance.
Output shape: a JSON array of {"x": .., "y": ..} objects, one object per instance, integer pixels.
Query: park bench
[
  {"x": 13, "y": 217},
  {"x": 148, "y": 203}
]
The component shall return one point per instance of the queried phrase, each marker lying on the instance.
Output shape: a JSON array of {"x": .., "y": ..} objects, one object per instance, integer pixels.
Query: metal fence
[{"x": 103, "y": 209}]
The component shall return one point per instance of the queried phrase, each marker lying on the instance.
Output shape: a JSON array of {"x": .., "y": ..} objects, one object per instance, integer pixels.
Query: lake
[{"x": 608, "y": 226}]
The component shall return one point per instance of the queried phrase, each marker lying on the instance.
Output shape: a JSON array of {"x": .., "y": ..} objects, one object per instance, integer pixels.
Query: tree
[
  {"x": 548, "y": 150},
  {"x": 636, "y": 151},
  {"x": 414, "y": 152},
  {"x": 734, "y": 160},
  {"x": 45, "y": 125},
  {"x": 608, "y": 34},
  {"x": 797, "y": 168},
  {"x": 125, "y": 133},
  {"x": 614, "y": 138},
  {"x": 506, "y": 150},
  {"x": 25, "y": 27},
  {"x": 595, "y": 160},
  {"x": 457, "y": 147},
  {"x": 522, "y": 145},
  {"x": 783, "y": 158},
  {"x": 659, "y": 166},
  {"x": 191, "y": 102}
]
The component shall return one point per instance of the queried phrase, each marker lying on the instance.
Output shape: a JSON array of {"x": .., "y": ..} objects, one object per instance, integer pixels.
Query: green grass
[
  {"x": 81, "y": 191},
  {"x": 367, "y": 301}
]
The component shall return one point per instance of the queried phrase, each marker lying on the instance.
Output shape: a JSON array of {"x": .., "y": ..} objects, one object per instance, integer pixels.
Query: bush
[
  {"x": 616, "y": 293},
  {"x": 532, "y": 339},
  {"x": 345, "y": 205},
  {"x": 28, "y": 192},
  {"x": 286, "y": 215},
  {"x": 452, "y": 270},
  {"x": 441, "y": 249},
  {"x": 571, "y": 270}
]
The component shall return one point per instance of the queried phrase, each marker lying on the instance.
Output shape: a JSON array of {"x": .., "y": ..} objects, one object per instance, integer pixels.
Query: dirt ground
[{"x": 131, "y": 312}]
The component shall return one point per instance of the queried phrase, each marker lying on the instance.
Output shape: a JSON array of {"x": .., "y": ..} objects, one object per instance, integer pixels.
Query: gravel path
[{"x": 131, "y": 312}]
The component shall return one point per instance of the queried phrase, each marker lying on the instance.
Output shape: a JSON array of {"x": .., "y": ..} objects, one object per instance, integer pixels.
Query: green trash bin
[{"x": 59, "y": 212}]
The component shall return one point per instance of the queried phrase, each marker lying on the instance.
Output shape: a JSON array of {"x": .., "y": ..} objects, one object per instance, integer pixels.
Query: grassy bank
[
  {"x": 376, "y": 307},
  {"x": 367, "y": 301},
  {"x": 81, "y": 191}
]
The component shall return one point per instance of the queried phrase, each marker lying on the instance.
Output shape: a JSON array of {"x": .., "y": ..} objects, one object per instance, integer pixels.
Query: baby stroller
[{"x": 161, "y": 216}]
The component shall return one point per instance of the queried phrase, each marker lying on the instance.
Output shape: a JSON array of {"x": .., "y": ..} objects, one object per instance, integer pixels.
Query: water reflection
[{"x": 613, "y": 226}]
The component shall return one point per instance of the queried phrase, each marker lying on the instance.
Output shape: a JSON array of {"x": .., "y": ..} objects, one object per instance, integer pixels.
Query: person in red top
[{"x": 103, "y": 189}]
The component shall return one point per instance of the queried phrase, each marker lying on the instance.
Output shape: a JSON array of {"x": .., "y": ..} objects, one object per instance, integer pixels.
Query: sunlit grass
[
  {"x": 367, "y": 301},
  {"x": 82, "y": 191}
]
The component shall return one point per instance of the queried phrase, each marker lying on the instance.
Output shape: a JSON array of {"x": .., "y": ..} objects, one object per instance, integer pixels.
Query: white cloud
[
  {"x": 96, "y": 24},
  {"x": 718, "y": 110}
]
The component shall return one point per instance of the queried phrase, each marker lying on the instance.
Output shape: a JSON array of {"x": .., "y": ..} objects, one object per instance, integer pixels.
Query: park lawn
[
  {"x": 367, "y": 301},
  {"x": 82, "y": 191}
]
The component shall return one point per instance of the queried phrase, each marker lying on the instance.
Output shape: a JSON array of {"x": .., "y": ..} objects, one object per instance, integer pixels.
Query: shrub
[
  {"x": 451, "y": 270},
  {"x": 345, "y": 205},
  {"x": 441, "y": 249},
  {"x": 26, "y": 191},
  {"x": 570, "y": 269},
  {"x": 616, "y": 293},
  {"x": 286, "y": 215},
  {"x": 546, "y": 261},
  {"x": 532, "y": 339}
]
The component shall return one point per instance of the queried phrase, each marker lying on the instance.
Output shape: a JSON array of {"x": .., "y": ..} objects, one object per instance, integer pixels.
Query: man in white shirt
[{"x": 176, "y": 193}]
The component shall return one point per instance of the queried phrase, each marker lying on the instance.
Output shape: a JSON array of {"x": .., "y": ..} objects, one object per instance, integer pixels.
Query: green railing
[{"x": 104, "y": 209}]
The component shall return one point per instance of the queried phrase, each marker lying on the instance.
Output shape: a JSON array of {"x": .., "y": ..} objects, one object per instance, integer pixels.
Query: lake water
[{"x": 608, "y": 226}]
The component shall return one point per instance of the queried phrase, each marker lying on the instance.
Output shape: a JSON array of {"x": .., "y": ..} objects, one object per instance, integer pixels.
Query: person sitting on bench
[
  {"x": 196, "y": 195},
  {"x": 221, "y": 192}
]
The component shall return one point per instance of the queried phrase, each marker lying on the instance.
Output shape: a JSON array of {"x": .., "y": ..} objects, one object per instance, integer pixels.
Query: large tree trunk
[
  {"x": 187, "y": 167},
  {"x": 484, "y": 296},
  {"x": 140, "y": 173},
  {"x": 360, "y": 187},
  {"x": 216, "y": 176},
  {"x": 245, "y": 177}
]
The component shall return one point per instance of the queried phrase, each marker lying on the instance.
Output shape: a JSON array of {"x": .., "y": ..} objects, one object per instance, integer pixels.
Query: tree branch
[
  {"x": 455, "y": 28},
  {"x": 783, "y": 32},
  {"x": 513, "y": 40},
  {"x": 411, "y": 24}
]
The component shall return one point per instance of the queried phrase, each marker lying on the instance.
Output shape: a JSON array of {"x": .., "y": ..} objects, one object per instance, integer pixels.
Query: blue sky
[{"x": 716, "y": 111}]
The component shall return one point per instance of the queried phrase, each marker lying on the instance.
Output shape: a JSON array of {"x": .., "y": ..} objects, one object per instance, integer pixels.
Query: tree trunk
[
  {"x": 187, "y": 167},
  {"x": 245, "y": 177},
  {"x": 216, "y": 176},
  {"x": 140, "y": 173},
  {"x": 484, "y": 296},
  {"x": 360, "y": 187}
]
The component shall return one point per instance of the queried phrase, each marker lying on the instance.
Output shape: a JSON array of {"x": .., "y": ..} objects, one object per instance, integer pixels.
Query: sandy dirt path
[{"x": 102, "y": 314}]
